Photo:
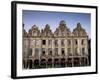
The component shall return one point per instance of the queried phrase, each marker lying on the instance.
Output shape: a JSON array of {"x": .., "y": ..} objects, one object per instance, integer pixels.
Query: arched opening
[
  {"x": 84, "y": 61},
  {"x": 43, "y": 63},
  {"x": 56, "y": 63},
  {"x": 30, "y": 52},
  {"x": 36, "y": 63},
  {"x": 76, "y": 62},
  {"x": 25, "y": 64},
  {"x": 30, "y": 64},
  {"x": 49, "y": 63},
  {"x": 69, "y": 62},
  {"x": 63, "y": 63}
]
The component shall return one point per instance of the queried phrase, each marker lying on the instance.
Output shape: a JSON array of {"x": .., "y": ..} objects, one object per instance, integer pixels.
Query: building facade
[{"x": 61, "y": 48}]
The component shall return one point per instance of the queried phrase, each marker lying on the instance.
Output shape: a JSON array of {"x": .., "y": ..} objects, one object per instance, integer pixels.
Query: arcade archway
[
  {"x": 36, "y": 63},
  {"x": 56, "y": 63},
  {"x": 63, "y": 62},
  {"x": 43, "y": 63},
  {"x": 49, "y": 63}
]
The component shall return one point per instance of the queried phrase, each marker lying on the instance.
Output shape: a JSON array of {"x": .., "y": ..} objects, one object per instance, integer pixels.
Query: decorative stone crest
[
  {"x": 61, "y": 31},
  {"x": 79, "y": 31},
  {"x": 34, "y": 31},
  {"x": 47, "y": 31}
]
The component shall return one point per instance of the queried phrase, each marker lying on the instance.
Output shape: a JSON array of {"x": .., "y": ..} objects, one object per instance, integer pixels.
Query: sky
[{"x": 41, "y": 18}]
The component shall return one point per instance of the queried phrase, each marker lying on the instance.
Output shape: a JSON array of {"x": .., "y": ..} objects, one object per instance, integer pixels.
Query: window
[
  {"x": 25, "y": 45},
  {"x": 83, "y": 51},
  {"x": 34, "y": 33},
  {"x": 56, "y": 42},
  {"x": 44, "y": 42},
  {"x": 33, "y": 42},
  {"x": 62, "y": 42},
  {"x": 63, "y": 33},
  {"x": 49, "y": 42},
  {"x": 76, "y": 51},
  {"x": 56, "y": 51},
  {"x": 43, "y": 51},
  {"x": 69, "y": 42},
  {"x": 36, "y": 51},
  {"x": 30, "y": 52},
  {"x": 82, "y": 42},
  {"x": 69, "y": 51},
  {"x": 76, "y": 42},
  {"x": 63, "y": 51},
  {"x": 49, "y": 51},
  {"x": 37, "y": 42}
]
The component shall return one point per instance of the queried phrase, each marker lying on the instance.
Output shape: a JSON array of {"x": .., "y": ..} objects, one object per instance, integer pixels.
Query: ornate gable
[
  {"x": 25, "y": 34},
  {"x": 34, "y": 31},
  {"x": 62, "y": 30},
  {"x": 47, "y": 31},
  {"x": 79, "y": 31}
]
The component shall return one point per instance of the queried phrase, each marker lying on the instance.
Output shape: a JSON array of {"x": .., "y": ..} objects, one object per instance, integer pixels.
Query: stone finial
[
  {"x": 23, "y": 25},
  {"x": 62, "y": 23},
  {"x": 47, "y": 26},
  {"x": 78, "y": 25},
  {"x": 79, "y": 31},
  {"x": 34, "y": 26}
]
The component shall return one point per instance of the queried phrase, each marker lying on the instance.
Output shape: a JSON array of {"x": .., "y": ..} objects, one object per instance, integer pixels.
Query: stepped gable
[{"x": 79, "y": 31}]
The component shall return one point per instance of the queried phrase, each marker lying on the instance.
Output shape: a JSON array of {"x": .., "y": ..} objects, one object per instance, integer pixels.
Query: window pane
[
  {"x": 82, "y": 42},
  {"x": 76, "y": 42},
  {"x": 56, "y": 42},
  {"x": 63, "y": 51},
  {"x": 30, "y": 52},
  {"x": 36, "y": 51},
  {"x": 49, "y": 51},
  {"x": 69, "y": 51},
  {"x": 44, "y": 42},
  {"x": 69, "y": 42},
  {"x": 43, "y": 51},
  {"x": 49, "y": 42},
  {"x": 62, "y": 42},
  {"x": 83, "y": 51},
  {"x": 56, "y": 51}
]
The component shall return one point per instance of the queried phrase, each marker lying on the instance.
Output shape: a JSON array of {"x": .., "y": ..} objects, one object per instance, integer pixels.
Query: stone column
[
  {"x": 86, "y": 46},
  {"x": 53, "y": 52},
  {"x": 72, "y": 50},
  {"x": 80, "y": 46},
  {"x": 66, "y": 47},
  {"x": 33, "y": 52},
  {"x": 46, "y": 47},
  {"x": 59, "y": 46},
  {"x": 33, "y": 46},
  {"x": 40, "y": 47}
]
